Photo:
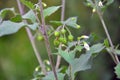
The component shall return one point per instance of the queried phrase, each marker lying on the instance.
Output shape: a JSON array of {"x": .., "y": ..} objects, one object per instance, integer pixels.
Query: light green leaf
[
  {"x": 28, "y": 4},
  {"x": 33, "y": 26},
  {"x": 8, "y": 27},
  {"x": 117, "y": 51},
  {"x": 97, "y": 48},
  {"x": 81, "y": 63},
  {"x": 117, "y": 70},
  {"x": 79, "y": 48},
  {"x": 50, "y": 76},
  {"x": 68, "y": 56},
  {"x": 30, "y": 15},
  {"x": 50, "y": 10},
  {"x": 72, "y": 22},
  {"x": 109, "y": 2},
  {"x": 106, "y": 42},
  {"x": 5, "y": 11}
]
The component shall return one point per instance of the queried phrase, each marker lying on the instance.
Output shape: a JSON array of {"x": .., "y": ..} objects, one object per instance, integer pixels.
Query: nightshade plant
[{"x": 67, "y": 47}]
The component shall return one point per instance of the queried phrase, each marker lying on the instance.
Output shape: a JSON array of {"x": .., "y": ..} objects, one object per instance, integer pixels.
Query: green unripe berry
[
  {"x": 57, "y": 33},
  {"x": 64, "y": 41},
  {"x": 63, "y": 31},
  {"x": 61, "y": 39},
  {"x": 56, "y": 42},
  {"x": 70, "y": 37},
  {"x": 40, "y": 38}
]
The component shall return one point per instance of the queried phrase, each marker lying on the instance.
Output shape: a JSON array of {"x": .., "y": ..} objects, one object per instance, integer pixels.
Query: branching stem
[
  {"x": 47, "y": 43},
  {"x": 31, "y": 38},
  {"x": 113, "y": 54},
  {"x": 62, "y": 19}
]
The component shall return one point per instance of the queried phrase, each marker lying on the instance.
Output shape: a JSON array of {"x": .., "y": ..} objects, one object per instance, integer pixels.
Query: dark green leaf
[
  {"x": 58, "y": 23},
  {"x": 17, "y": 18},
  {"x": 50, "y": 10},
  {"x": 8, "y": 27},
  {"x": 5, "y": 11},
  {"x": 117, "y": 70},
  {"x": 30, "y": 15},
  {"x": 28, "y": 4}
]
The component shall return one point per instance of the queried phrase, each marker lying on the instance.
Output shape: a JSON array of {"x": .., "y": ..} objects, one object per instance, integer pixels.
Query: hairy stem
[
  {"x": 31, "y": 38},
  {"x": 113, "y": 54},
  {"x": 62, "y": 19},
  {"x": 47, "y": 43}
]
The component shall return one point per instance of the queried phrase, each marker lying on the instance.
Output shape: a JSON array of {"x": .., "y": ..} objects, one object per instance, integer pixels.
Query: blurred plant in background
[{"x": 17, "y": 60}]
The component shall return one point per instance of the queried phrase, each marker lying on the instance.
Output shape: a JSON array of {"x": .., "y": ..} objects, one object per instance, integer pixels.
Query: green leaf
[
  {"x": 5, "y": 11},
  {"x": 106, "y": 42},
  {"x": 33, "y": 26},
  {"x": 97, "y": 48},
  {"x": 68, "y": 56},
  {"x": 8, "y": 27},
  {"x": 117, "y": 70},
  {"x": 117, "y": 51},
  {"x": 58, "y": 23},
  {"x": 17, "y": 18},
  {"x": 50, "y": 10},
  {"x": 28, "y": 4},
  {"x": 30, "y": 15},
  {"x": 72, "y": 22},
  {"x": 50, "y": 76},
  {"x": 81, "y": 63},
  {"x": 109, "y": 2},
  {"x": 79, "y": 48}
]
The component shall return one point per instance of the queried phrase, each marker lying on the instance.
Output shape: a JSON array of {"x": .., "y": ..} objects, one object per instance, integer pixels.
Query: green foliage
[
  {"x": 106, "y": 42},
  {"x": 6, "y": 11},
  {"x": 83, "y": 61},
  {"x": 117, "y": 70},
  {"x": 117, "y": 51},
  {"x": 99, "y": 4},
  {"x": 50, "y": 10},
  {"x": 33, "y": 26},
  {"x": 50, "y": 76},
  {"x": 71, "y": 22},
  {"x": 29, "y": 4},
  {"x": 8, "y": 27},
  {"x": 30, "y": 15},
  {"x": 17, "y": 18}
]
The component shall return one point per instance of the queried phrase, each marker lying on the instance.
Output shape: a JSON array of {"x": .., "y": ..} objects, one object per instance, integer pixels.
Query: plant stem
[
  {"x": 113, "y": 54},
  {"x": 47, "y": 43},
  {"x": 62, "y": 19},
  {"x": 31, "y": 38}
]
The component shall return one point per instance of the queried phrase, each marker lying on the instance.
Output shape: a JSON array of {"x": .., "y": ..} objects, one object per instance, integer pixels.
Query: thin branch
[
  {"x": 47, "y": 43},
  {"x": 62, "y": 19},
  {"x": 31, "y": 38},
  {"x": 113, "y": 54}
]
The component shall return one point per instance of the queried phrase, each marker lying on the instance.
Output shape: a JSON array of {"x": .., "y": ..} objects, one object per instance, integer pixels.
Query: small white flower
[
  {"x": 86, "y": 46},
  {"x": 100, "y": 4}
]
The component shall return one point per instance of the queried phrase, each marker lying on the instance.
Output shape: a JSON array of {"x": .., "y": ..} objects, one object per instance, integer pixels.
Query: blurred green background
[{"x": 17, "y": 59}]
